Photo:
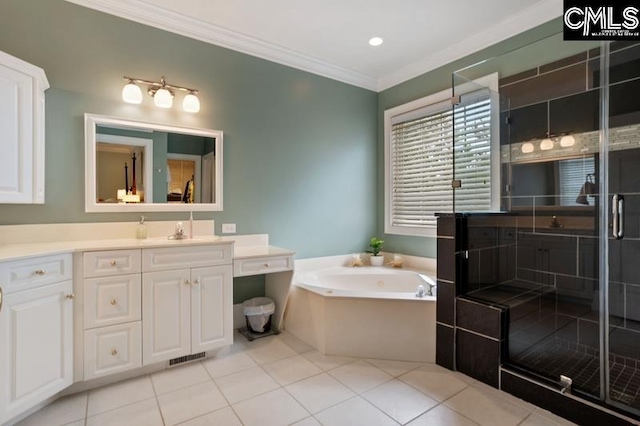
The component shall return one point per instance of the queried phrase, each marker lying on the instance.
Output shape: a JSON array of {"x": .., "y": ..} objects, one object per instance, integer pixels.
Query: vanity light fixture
[
  {"x": 131, "y": 93},
  {"x": 567, "y": 141},
  {"x": 191, "y": 103},
  {"x": 161, "y": 92},
  {"x": 546, "y": 144},
  {"x": 527, "y": 148}
]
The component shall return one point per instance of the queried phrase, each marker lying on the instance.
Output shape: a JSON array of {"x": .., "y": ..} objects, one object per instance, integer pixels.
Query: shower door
[
  {"x": 564, "y": 260},
  {"x": 621, "y": 269}
]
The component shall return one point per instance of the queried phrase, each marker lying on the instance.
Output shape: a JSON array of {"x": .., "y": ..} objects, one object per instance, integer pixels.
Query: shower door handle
[{"x": 617, "y": 209}]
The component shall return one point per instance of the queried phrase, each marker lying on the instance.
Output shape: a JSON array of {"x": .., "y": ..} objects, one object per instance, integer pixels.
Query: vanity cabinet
[
  {"x": 112, "y": 312},
  {"x": 36, "y": 331},
  {"x": 148, "y": 305},
  {"x": 22, "y": 87},
  {"x": 187, "y": 310}
]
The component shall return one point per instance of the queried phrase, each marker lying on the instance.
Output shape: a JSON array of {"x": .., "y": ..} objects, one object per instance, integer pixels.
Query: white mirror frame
[{"x": 91, "y": 206}]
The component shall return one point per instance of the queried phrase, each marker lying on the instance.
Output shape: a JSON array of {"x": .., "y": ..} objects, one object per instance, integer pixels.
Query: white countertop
[{"x": 20, "y": 251}]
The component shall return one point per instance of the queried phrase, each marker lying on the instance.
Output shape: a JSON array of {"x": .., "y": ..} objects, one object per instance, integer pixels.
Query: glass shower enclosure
[{"x": 549, "y": 135}]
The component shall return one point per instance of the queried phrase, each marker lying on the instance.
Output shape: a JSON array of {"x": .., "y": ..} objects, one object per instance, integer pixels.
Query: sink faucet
[
  {"x": 179, "y": 233},
  {"x": 555, "y": 223},
  {"x": 421, "y": 291}
]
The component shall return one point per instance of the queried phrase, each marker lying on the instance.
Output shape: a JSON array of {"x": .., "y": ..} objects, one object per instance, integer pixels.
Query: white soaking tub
[{"x": 366, "y": 312}]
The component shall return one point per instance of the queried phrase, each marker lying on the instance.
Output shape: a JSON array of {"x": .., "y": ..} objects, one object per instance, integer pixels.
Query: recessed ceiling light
[{"x": 376, "y": 41}]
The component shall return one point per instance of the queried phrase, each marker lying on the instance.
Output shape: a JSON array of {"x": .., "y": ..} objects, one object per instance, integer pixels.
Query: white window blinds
[
  {"x": 472, "y": 150},
  {"x": 421, "y": 162},
  {"x": 421, "y": 166}
]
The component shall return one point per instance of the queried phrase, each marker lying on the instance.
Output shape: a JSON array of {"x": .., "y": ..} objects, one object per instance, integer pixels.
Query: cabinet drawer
[
  {"x": 262, "y": 265},
  {"x": 109, "y": 350},
  {"x": 112, "y": 262},
  {"x": 112, "y": 300},
  {"x": 160, "y": 259},
  {"x": 24, "y": 274}
]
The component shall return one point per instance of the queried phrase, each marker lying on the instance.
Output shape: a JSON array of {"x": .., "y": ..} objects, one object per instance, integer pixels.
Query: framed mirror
[{"x": 135, "y": 166}]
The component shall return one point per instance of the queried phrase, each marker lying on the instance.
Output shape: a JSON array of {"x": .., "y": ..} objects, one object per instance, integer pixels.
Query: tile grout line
[
  {"x": 86, "y": 410},
  {"x": 121, "y": 406},
  {"x": 155, "y": 392},
  {"x": 221, "y": 393}
]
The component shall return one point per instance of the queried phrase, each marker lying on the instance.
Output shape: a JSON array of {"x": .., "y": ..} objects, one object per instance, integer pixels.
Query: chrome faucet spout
[{"x": 429, "y": 282}]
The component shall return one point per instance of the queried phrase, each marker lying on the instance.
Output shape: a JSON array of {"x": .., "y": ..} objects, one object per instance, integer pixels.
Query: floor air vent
[{"x": 187, "y": 358}]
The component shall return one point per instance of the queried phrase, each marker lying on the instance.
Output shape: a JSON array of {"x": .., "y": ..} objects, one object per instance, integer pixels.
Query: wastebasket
[{"x": 258, "y": 312}]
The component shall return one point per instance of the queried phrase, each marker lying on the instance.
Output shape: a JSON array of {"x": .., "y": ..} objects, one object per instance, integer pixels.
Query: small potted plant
[{"x": 376, "y": 245}]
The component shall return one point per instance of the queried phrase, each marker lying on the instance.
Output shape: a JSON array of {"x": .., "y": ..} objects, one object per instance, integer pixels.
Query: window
[{"x": 420, "y": 158}]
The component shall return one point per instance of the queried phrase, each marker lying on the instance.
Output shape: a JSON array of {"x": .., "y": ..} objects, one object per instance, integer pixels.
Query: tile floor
[{"x": 279, "y": 380}]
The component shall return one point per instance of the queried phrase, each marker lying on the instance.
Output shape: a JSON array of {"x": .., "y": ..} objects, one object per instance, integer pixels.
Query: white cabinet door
[
  {"x": 211, "y": 308},
  {"x": 166, "y": 329},
  {"x": 22, "y": 87},
  {"x": 36, "y": 347}
]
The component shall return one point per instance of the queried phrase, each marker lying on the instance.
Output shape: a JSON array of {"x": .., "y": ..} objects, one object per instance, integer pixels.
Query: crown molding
[
  {"x": 136, "y": 10},
  {"x": 524, "y": 20}
]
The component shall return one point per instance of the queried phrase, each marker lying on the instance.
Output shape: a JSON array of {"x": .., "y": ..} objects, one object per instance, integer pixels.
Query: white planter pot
[{"x": 377, "y": 260}]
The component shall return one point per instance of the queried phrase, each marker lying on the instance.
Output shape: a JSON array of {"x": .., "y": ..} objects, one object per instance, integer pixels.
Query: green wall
[
  {"x": 300, "y": 150},
  {"x": 188, "y": 144},
  {"x": 436, "y": 81},
  {"x": 303, "y": 155}
]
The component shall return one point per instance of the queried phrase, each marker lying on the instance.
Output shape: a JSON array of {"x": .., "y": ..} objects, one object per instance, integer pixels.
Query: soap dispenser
[{"x": 141, "y": 229}]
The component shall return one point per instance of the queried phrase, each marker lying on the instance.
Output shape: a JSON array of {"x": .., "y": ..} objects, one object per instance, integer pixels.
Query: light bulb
[
  {"x": 375, "y": 41},
  {"x": 527, "y": 148},
  {"x": 191, "y": 103},
  {"x": 546, "y": 144},
  {"x": 163, "y": 98},
  {"x": 567, "y": 141},
  {"x": 131, "y": 93}
]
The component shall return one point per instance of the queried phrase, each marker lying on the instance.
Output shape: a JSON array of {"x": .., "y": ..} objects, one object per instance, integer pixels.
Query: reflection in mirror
[
  {"x": 137, "y": 166},
  {"x": 117, "y": 158},
  {"x": 559, "y": 182}
]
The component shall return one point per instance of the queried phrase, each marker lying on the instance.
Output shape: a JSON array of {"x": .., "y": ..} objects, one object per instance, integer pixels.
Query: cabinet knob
[
  {"x": 266, "y": 265},
  {"x": 113, "y": 263},
  {"x": 196, "y": 281},
  {"x": 113, "y": 302},
  {"x": 187, "y": 282},
  {"x": 70, "y": 296},
  {"x": 40, "y": 272},
  {"x": 114, "y": 352}
]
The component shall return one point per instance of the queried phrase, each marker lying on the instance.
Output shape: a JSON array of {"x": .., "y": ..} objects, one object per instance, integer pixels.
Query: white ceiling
[{"x": 330, "y": 37}]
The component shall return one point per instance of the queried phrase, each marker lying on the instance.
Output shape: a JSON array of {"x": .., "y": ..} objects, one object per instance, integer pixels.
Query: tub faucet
[{"x": 429, "y": 282}]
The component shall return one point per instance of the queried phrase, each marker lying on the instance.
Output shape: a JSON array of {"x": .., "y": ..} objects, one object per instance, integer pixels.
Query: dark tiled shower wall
[
  {"x": 479, "y": 255},
  {"x": 470, "y": 334},
  {"x": 563, "y": 96}
]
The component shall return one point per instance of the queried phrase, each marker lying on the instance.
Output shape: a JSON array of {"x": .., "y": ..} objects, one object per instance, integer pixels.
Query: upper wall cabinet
[{"x": 22, "y": 87}]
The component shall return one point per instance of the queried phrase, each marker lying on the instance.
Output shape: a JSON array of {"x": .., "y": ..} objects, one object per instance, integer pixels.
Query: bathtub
[{"x": 366, "y": 312}]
